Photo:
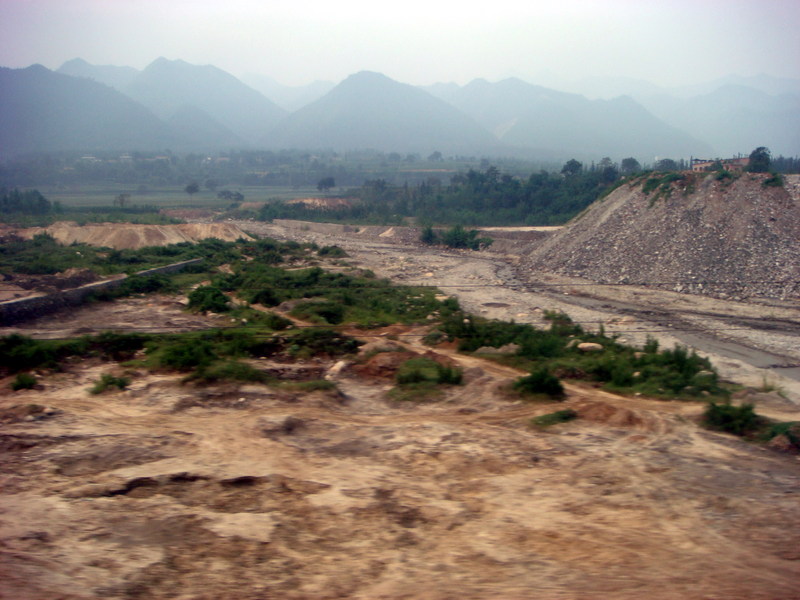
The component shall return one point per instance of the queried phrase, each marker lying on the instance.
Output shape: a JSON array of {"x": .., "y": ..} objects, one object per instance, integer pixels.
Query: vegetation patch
[
  {"x": 540, "y": 382},
  {"x": 672, "y": 373},
  {"x": 108, "y": 381},
  {"x": 424, "y": 369},
  {"x": 457, "y": 237},
  {"x": 24, "y": 381},
  {"x": 554, "y": 418},
  {"x": 228, "y": 370},
  {"x": 664, "y": 183},
  {"x": 209, "y": 298}
]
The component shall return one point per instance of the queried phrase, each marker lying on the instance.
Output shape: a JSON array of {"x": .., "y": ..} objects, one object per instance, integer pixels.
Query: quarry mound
[
  {"x": 732, "y": 237},
  {"x": 122, "y": 236}
]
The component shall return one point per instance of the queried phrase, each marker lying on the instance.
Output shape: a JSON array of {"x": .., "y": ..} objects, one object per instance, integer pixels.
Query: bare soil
[{"x": 231, "y": 491}]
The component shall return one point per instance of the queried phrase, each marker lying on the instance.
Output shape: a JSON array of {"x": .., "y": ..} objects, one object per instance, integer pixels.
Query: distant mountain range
[
  {"x": 369, "y": 110},
  {"x": 173, "y": 104}
]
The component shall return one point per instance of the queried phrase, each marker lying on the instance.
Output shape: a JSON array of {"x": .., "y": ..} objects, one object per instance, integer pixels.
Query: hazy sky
[{"x": 668, "y": 42}]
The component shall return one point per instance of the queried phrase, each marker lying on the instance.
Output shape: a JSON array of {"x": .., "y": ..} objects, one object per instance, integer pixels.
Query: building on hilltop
[{"x": 738, "y": 164}]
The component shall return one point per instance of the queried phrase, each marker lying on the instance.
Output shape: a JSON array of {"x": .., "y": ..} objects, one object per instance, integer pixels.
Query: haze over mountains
[{"x": 173, "y": 104}]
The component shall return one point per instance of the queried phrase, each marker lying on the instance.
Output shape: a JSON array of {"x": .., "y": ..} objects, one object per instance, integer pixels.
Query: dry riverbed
[{"x": 249, "y": 492}]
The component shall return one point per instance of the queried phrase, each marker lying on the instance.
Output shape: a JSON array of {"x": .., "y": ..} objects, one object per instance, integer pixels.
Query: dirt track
[{"x": 249, "y": 492}]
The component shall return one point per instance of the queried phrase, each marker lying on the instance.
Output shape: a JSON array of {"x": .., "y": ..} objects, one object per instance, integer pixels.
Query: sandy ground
[{"x": 167, "y": 490}]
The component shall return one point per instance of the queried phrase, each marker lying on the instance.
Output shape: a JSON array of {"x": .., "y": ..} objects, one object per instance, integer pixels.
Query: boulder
[{"x": 590, "y": 347}]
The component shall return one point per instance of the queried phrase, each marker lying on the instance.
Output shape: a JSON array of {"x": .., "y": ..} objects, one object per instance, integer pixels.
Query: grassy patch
[
  {"x": 108, "y": 381},
  {"x": 423, "y": 391},
  {"x": 228, "y": 370},
  {"x": 23, "y": 381},
  {"x": 312, "y": 385},
  {"x": 554, "y": 418}
]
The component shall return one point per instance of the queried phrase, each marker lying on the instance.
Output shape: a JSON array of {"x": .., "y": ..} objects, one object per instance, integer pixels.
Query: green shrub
[
  {"x": 423, "y": 369},
  {"x": 183, "y": 353},
  {"x": 331, "y": 252},
  {"x": 313, "y": 341},
  {"x": 208, "y": 298},
  {"x": 23, "y": 381},
  {"x": 18, "y": 353},
  {"x": 458, "y": 237},
  {"x": 331, "y": 313},
  {"x": 312, "y": 385},
  {"x": 774, "y": 180},
  {"x": 118, "y": 346},
  {"x": 229, "y": 370},
  {"x": 554, "y": 418},
  {"x": 429, "y": 236},
  {"x": 790, "y": 429},
  {"x": 540, "y": 381},
  {"x": 107, "y": 381},
  {"x": 266, "y": 297},
  {"x": 738, "y": 420}
]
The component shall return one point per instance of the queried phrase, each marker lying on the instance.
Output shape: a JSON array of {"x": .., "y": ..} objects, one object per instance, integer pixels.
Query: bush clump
[
  {"x": 23, "y": 381},
  {"x": 739, "y": 420},
  {"x": 540, "y": 381},
  {"x": 423, "y": 369},
  {"x": 229, "y": 370},
  {"x": 107, "y": 381},
  {"x": 208, "y": 298}
]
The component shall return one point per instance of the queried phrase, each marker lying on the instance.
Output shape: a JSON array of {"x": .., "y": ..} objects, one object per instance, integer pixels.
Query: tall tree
[
  {"x": 666, "y": 164},
  {"x": 326, "y": 183},
  {"x": 571, "y": 167},
  {"x": 760, "y": 160},
  {"x": 629, "y": 166}
]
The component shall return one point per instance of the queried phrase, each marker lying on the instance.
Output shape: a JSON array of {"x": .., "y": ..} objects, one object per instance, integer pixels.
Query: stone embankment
[
  {"x": 22, "y": 309},
  {"x": 700, "y": 235}
]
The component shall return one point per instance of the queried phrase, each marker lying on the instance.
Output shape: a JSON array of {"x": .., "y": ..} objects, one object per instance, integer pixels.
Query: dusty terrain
[
  {"x": 121, "y": 236},
  {"x": 249, "y": 492}
]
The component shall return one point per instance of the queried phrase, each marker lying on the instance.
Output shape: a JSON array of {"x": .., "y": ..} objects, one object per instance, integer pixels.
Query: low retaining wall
[{"x": 22, "y": 309}]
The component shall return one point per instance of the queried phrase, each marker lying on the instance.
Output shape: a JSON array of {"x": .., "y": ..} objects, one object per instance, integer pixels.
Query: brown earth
[
  {"x": 252, "y": 492},
  {"x": 121, "y": 236}
]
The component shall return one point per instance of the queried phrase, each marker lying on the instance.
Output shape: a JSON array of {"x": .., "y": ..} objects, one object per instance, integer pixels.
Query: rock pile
[{"x": 698, "y": 235}]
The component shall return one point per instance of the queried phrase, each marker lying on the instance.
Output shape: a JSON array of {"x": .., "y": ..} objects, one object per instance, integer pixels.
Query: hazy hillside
[
  {"x": 116, "y": 77},
  {"x": 529, "y": 116},
  {"x": 199, "y": 130},
  {"x": 167, "y": 85},
  {"x": 288, "y": 97},
  {"x": 735, "y": 119},
  {"x": 369, "y": 110},
  {"x": 45, "y": 111},
  {"x": 698, "y": 235}
]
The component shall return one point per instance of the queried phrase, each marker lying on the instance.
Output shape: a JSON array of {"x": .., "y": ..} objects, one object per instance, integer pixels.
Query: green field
[{"x": 165, "y": 197}]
